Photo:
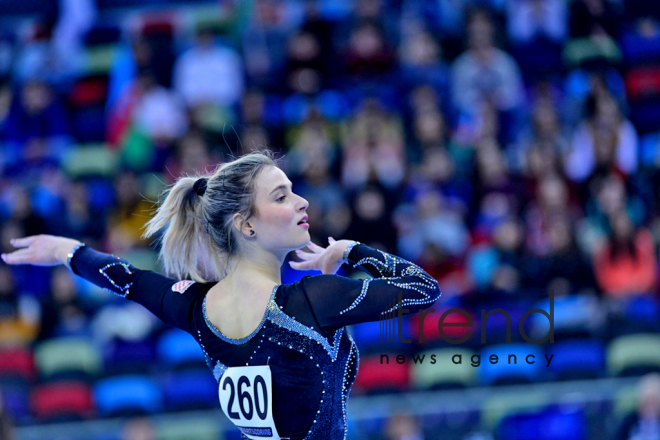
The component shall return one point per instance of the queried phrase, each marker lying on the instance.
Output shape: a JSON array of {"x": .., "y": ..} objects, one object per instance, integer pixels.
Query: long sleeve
[
  {"x": 169, "y": 299},
  {"x": 337, "y": 301}
]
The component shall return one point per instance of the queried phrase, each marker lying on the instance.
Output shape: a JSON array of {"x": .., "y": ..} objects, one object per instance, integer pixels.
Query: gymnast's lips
[{"x": 303, "y": 222}]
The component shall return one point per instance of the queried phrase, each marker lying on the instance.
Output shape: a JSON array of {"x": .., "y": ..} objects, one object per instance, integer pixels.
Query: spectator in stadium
[
  {"x": 36, "y": 130},
  {"x": 209, "y": 73},
  {"x": 484, "y": 72},
  {"x": 605, "y": 140},
  {"x": 644, "y": 422},
  {"x": 627, "y": 263}
]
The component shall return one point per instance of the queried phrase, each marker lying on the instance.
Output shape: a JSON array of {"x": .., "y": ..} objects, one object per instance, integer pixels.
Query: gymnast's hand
[
  {"x": 327, "y": 260},
  {"x": 40, "y": 250}
]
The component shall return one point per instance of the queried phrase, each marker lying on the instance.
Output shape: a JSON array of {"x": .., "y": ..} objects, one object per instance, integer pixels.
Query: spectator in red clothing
[
  {"x": 627, "y": 263},
  {"x": 368, "y": 53}
]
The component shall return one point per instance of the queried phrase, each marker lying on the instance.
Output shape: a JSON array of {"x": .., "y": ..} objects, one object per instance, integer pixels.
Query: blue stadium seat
[
  {"x": 127, "y": 395},
  {"x": 177, "y": 348},
  {"x": 639, "y": 50},
  {"x": 578, "y": 359},
  {"x": 549, "y": 424},
  {"x": 517, "y": 371},
  {"x": 128, "y": 357},
  {"x": 15, "y": 401},
  {"x": 192, "y": 389}
]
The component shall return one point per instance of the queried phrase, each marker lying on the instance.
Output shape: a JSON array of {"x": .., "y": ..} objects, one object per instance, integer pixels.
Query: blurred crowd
[{"x": 509, "y": 147}]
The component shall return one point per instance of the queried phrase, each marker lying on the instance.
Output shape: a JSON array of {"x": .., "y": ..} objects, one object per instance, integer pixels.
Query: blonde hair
[{"x": 200, "y": 228}]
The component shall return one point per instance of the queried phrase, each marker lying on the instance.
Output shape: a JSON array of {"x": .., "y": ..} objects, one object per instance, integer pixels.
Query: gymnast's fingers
[
  {"x": 306, "y": 255},
  {"x": 315, "y": 248},
  {"x": 302, "y": 265},
  {"x": 23, "y": 242},
  {"x": 21, "y": 256}
]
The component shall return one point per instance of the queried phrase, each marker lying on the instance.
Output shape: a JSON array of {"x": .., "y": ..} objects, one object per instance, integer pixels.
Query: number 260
[{"x": 246, "y": 396}]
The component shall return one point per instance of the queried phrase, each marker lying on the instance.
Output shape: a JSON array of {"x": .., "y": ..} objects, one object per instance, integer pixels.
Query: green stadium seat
[
  {"x": 68, "y": 355},
  {"x": 90, "y": 160},
  {"x": 634, "y": 355},
  {"x": 503, "y": 405},
  {"x": 443, "y": 374},
  {"x": 99, "y": 59}
]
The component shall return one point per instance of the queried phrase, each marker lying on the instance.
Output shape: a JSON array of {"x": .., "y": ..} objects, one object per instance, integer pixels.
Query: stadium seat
[
  {"x": 645, "y": 114},
  {"x": 579, "y": 51},
  {"x": 69, "y": 356},
  {"x": 578, "y": 359},
  {"x": 499, "y": 406},
  {"x": 145, "y": 259},
  {"x": 62, "y": 400},
  {"x": 89, "y": 124},
  {"x": 549, "y": 424},
  {"x": 643, "y": 82},
  {"x": 376, "y": 378},
  {"x": 640, "y": 50},
  {"x": 15, "y": 401},
  {"x": 518, "y": 371},
  {"x": 177, "y": 348},
  {"x": 202, "y": 429},
  {"x": 191, "y": 389},
  {"x": 17, "y": 363},
  {"x": 99, "y": 59},
  {"x": 370, "y": 340},
  {"x": 634, "y": 355},
  {"x": 443, "y": 374},
  {"x": 575, "y": 317},
  {"x": 649, "y": 149},
  {"x": 644, "y": 309},
  {"x": 90, "y": 160},
  {"x": 366, "y": 334},
  {"x": 101, "y": 35},
  {"x": 129, "y": 357},
  {"x": 127, "y": 395},
  {"x": 89, "y": 91}
]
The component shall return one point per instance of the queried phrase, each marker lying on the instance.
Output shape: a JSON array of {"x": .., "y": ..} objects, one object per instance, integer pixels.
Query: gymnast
[{"x": 280, "y": 353}]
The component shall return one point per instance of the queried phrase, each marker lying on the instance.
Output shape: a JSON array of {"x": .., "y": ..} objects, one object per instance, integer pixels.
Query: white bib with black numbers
[{"x": 246, "y": 397}]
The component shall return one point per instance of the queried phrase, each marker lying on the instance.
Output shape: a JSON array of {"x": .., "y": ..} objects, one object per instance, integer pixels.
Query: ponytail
[
  {"x": 199, "y": 237},
  {"x": 184, "y": 237}
]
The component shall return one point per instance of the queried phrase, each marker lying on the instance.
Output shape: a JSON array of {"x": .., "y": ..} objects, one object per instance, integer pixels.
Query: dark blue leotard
[{"x": 301, "y": 336}]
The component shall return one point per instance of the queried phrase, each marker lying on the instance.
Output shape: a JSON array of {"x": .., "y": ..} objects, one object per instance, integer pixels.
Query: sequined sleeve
[
  {"x": 337, "y": 301},
  {"x": 169, "y": 299}
]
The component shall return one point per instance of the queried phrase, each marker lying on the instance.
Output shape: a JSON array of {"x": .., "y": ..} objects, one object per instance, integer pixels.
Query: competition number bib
[{"x": 246, "y": 398}]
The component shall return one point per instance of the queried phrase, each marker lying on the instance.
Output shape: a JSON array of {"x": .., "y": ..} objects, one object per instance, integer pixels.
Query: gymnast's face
[{"x": 280, "y": 211}]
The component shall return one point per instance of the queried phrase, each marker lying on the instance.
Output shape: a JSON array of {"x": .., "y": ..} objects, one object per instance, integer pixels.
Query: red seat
[
  {"x": 65, "y": 398},
  {"x": 642, "y": 82},
  {"x": 89, "y": 91},
  {"x": 376, "y": 377},
  {"x": 158, "y": 24},
  {"x": 17, "y": 362}
]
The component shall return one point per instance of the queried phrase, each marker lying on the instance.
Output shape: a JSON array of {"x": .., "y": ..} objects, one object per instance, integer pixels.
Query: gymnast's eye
[{"x": 281, "y": 198}]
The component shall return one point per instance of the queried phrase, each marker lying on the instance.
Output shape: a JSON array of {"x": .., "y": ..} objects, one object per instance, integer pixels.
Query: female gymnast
[{"x": 282, "y": 358}]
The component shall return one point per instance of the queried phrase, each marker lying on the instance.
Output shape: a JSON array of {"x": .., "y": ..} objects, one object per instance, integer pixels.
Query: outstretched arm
[
  {"x": 161, "y": 295},
  {"x": 337, "y": 301}
]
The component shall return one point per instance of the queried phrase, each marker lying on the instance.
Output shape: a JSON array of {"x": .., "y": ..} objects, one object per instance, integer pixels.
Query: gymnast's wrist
[
  {"x": 66, "y": 250},
  {"x": 346, "y": 249}
]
